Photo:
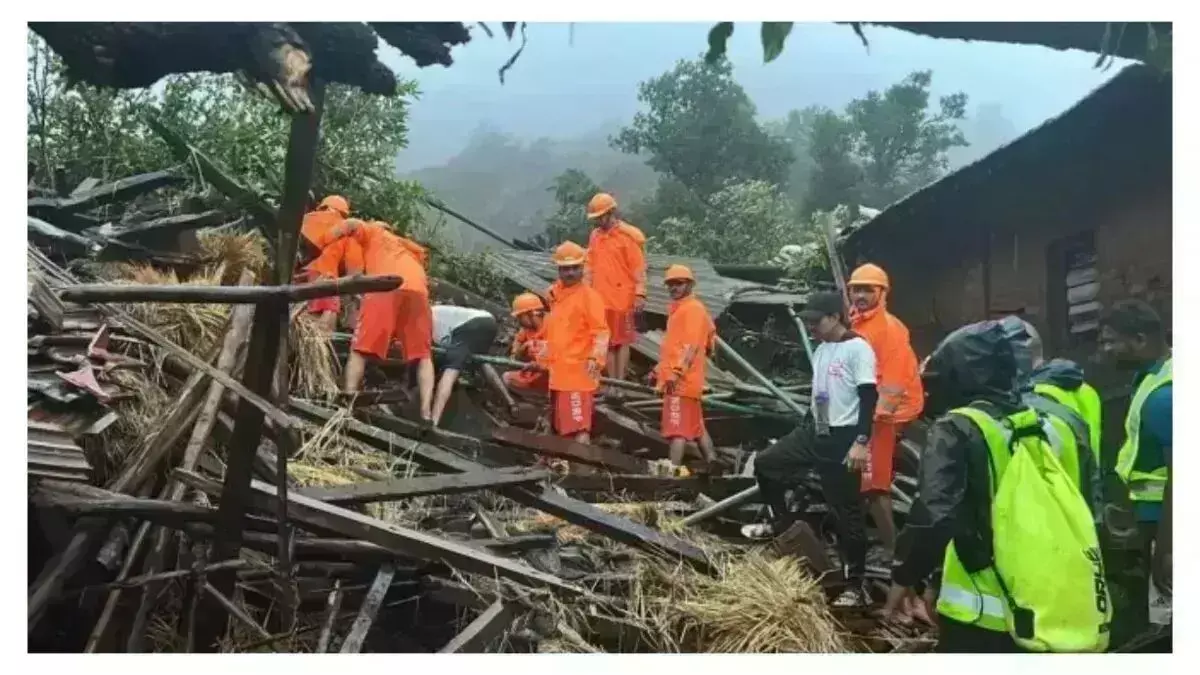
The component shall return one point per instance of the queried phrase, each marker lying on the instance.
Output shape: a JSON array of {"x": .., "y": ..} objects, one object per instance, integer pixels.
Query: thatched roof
[
  {"x": 1125, "y": 126},
  {"x": 1129, "y": 40}
]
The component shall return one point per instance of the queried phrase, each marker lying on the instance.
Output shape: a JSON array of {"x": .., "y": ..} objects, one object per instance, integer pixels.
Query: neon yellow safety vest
[
  {"x": 1144, "y": 486},
  {"x": 976, "y": 598},
  {"x": 1085, "y": 401}
]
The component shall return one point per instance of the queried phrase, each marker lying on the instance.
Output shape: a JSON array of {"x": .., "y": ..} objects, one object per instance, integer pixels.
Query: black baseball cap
[{"x": 825, "y": 303}]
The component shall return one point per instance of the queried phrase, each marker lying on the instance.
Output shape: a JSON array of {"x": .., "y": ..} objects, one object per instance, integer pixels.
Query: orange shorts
[
  {"x": 620, "y": 327},
  {"x": 376, "y": 325},
  {"x": 538, "y": 381},
  {"x": 572, "y": 412},
  {"x": 883, "y": 452},
  {"x": 682, "y": 418},
  {"x": 414, "y": 330}
]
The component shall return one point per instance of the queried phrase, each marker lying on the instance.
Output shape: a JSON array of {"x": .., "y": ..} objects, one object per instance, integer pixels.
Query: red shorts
[
  {"x": 572, "y": 412},
  {"x": 322, "y": 305},
  {"x": 682, "y": 418},
  {"x": 620, "y": 328},
  {"x": 536, "y": 381},
  {"x": 883, "y": 451}
]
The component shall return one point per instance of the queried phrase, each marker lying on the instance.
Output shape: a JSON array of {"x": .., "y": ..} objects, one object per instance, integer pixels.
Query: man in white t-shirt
[
  {"x": 832, "y": 440},
  {"x": 461, "y": 332}
]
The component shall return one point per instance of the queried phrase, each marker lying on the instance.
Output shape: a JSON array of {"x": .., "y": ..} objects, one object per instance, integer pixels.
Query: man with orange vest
[
  {"x": 331, "y": 263},
  {"x": 402, "y": 314},
  {"x": 576, "y": 343},
  {"x": 901, "y": 397},
  {"x": 527, "y": 344},
  {"x": 680, "y": 374},
  {"x": 616, "y": 267}
]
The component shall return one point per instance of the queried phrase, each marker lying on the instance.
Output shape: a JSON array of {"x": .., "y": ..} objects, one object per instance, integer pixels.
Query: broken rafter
[
  {"x": 369, "y": 608},
  {"x": 566, "y": 448},
  {"x": 170, "y": 224},
  {"x": 544, "y": 499},
  {"x": 407, "y": 488},
  {"x": 121, "y": 190},
  {"x": 483, "y": 631},
  {"x": 125, "y": 293}
]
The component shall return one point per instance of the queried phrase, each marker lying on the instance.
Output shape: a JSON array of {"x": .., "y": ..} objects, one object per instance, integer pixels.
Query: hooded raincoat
[{"x": 901, "y": 397}]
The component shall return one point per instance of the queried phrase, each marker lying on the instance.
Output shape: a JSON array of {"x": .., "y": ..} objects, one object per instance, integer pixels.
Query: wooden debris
[
  {"x": 332, "y": 607},
  {"x": 483, "y": 631},
  {"x": 565, "y": 448},
  {"x": 366, "y": 613},
  {"x": 125, "y": 293},
  {"x": 407, "y": 488}
]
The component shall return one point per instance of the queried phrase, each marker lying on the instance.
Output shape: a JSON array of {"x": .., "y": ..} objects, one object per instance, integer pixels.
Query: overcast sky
[{"x": 561, "y": 89}]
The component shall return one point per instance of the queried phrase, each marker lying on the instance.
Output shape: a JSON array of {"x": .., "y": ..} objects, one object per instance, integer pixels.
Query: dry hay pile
[{"x": 236, "y": 251}]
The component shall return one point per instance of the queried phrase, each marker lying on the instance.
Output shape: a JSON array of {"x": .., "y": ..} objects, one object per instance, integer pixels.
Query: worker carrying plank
[
  {"x": 530, "y": 313},
  {"x": 616, "y": 267},
  {"x": 402, "y": 314},
  {"x": 575, "y": 346},
  {"x": 462, "y": 332},
  {"x": 680, "y": 374},
  {"x": 901, "y": 398}
]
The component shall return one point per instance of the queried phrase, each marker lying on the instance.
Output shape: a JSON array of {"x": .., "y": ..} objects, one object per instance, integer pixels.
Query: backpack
[{"x": 1047, "y": 552}]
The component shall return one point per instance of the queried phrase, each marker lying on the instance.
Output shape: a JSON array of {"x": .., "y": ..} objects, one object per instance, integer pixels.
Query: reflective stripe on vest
[
  {"x": 977, "y": 598},
  {"x": 1144, "y": 486},
  {"x": 1085, "y": 401}
]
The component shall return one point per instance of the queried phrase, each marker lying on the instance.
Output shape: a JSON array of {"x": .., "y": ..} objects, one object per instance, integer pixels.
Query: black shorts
[{"x": 473, "y": 337}]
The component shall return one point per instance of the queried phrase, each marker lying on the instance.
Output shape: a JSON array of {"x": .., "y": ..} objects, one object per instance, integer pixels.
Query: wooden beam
[
  {"x": 483, "y": 631},
  {"x": 171, "y": 224},
  {"x": 312, "y": 513},
  {"x": 333, "y": 605},
  {"x": 109, "y": 193},
  {"x": 367, "y": 611},
  {"x": 656, "y": 486},
  {"x": 544, "y": 499},
  {"x": 407, "y": 488},
  {"x": 245, "y": 295},
  {"x": 569, "y": 449}
]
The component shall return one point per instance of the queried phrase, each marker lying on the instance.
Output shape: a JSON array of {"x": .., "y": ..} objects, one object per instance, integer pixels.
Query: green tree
[
  {"x": 746, "y": 222},
  {"x": 572, "y": 189},
  {"x": 102, "y": 134},
  {"x": 699, "y": 129},
  {"x": 884, "y": 146}
]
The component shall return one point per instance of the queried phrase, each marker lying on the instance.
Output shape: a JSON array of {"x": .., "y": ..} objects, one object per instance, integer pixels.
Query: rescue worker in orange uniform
[
  {"x": 333, "y": 262},
  {"x": 680, "y": 374},
  {"x": 901, "y": 397},
  {"x": 616, "y": 267},
  {"x": 402, "y": 314},
  {"x": 576, "y": 343},
  {"x": 528, "y": 344}
]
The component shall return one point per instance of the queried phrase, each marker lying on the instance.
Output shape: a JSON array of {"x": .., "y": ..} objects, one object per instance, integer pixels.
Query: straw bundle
[
  {"x": 314, "y": 366},
  {"x": 236, "y": 251},
  {"x": 193, "y": 326}
]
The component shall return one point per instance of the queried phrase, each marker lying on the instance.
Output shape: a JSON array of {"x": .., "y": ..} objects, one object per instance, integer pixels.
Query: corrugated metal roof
[{"x": 534, "y": 271}]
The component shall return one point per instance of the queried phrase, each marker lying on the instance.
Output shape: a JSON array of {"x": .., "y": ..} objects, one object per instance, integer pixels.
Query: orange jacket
[
  {"x": 901, "y": 397},
  {"x": 382, "y": 253},
  {"x": 527, "y": 343},
  {"x": 616, "y": 265},
  {"x": 576, "y": 332},
  {"x": 684, "y": 354}
]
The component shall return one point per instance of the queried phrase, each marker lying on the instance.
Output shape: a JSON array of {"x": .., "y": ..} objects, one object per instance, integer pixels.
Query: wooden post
[{"x": 268, "y": 332}]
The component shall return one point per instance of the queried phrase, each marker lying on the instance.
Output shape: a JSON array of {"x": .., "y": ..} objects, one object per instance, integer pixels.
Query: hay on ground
[
  {"x": 314, "y": 366},
  {"x": 237, "y": 251}
]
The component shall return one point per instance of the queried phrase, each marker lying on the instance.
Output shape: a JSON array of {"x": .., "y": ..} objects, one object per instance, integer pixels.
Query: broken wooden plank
[
  {"x": 45, "y": 233},
  {"x": 312, "y": 513},
  {"x": 366, "y": 613},
  {"x": 234, "y": 610},
  {"x": 483, "y": 631},
  {"x": 170, "y": 224},
  {"x": 332, "y": 606},
  {"x": 569, "y": 449},
  {"x": 545, "y": 499},
  {"x": 159, "y": 511},
  {"x": 654, "y": 486},
  {"x": 407, "y": 488},
  {"x": 126, "y": 293},
  {"x": 722, "y": 506},
  {"x": 109, "y": 193}
]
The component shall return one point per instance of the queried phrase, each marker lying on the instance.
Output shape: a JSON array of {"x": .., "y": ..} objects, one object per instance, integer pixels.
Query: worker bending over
[
  {"x": 616, "y": 267},
  {"x": 680, "y": 375},
  {"x": 462, "y": 332},
  {"x": 402, "y": 314},
  {"x": 963, "y": 517},
  {"x": 344, "y": 258},
  {"x": 529, "y": 342},
  {"x": 576, "y": 342},
  {"x": 1133, "y": 338},
  {"x": 832, "y": 440},
  {"x": 901, "y": 398}
]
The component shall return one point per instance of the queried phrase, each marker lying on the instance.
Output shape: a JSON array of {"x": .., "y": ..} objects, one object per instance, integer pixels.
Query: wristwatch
[{"x": 861, "y": 440}]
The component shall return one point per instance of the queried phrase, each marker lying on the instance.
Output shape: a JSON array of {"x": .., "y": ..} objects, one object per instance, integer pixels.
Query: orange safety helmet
[
  {"x": 337, "y": 203},
  {"x": 679, "y": 273},
  {"x": 600, "y": 205},
  {"x": 569, "y": 254},
  {"x": 870, "y": 275},
  {"x": 526, "y": 302}
]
